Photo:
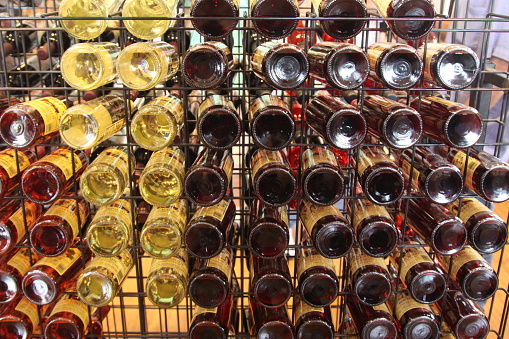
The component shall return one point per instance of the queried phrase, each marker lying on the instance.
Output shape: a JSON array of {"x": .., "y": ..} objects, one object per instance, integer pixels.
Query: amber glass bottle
[
  {"x": 19, "y": 319},
  {"x": 12, "y": 165},
  {"x": 70, "y": 316},
  {"x": 271, "y": 284},
  {"x": 212, "y": 322},
  {"x": 12, "y": 269},
  {"x": 312, "y": 321},
  {"x": 270, "y": 322},
  {"x": 15, "y": 221}
]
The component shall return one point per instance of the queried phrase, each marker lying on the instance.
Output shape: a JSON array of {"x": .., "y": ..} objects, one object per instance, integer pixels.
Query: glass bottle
[
  {"x": 101, "y": 279},
  {"x": 268, "y": 232},
  {"x": 12, "y": 269},
  {"x": 270, "y": 322},
  {"x": 17, "y": 218},
  {"x": 212, "y": 322},
  {"x": 162, "y": 233},
  {"x": 214, "y": 28},
  {"x": 484, "y": 174},
  {"x": 144, "y": 26},
  {"x": 277, "y": 28},
  {"x": 21, "y": 39},
  {"x": 339, "y": 29},
  {"x": 69, "y": 318},
  {"x": 452, "y": 123},
  {"x": 271, "y": 282},
  {"x": 273, "y": 181},
  {"x": 281, "y": 65},
  {"x": 312, "y": 321},
  {"x": 53, "y": 43},
  {"x": 271, "y": 123},
  {"x": 26, "y": 75},
  {"x": 328, "y": 229},
  {"x": 87, "y": 125},
  {"x": 208, "y": 180},
  {"x": 209, "y": 229},
  {"x": 107, "y": 177},
  {"x": 57, "y": 229},
  {"x": 156, "y": 124},
  {"x": 33, "y": 122},
  {"x": 161, "y": 182},
  {"x": 396, "y": 66},
  {"x": 12, "y": 164},
  {"x": 19, "y": 319},
  {"x": 49, "y": 178}
]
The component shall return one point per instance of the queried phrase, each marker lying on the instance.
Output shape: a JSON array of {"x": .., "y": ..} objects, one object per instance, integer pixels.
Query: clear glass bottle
[
  {"x": 212, "y": 322},
  {"x": 270, "y": 322},
  {"x": 271, "y": 282},
  {"x": 161, "y": 182},
  {"x": 143, "y": 26},
  {"x": 214, "y": 28},
  {"x": 12, "y": 269},
  {"x": 275, "y": 29},
  {"x": 15, "y": 221},
  {"x": 69, "y": 318},
  {"x": 12, "y": 164},
  {"x": 341, "y": 29},
  {"x": 19, "y": 320}
]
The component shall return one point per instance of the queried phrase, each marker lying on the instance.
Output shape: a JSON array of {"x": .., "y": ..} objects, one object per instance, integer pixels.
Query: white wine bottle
[{"x": 144, "y": 27}]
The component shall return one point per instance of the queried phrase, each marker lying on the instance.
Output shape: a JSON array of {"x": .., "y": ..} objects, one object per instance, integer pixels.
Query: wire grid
[{"x": 132, "y": 315}]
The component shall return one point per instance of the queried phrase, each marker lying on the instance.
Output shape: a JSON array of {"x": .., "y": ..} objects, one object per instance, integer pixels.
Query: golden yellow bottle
[
  {"x": 156, "y": 124},
  {"x": 107, "y": 177},
  {"x": 161, "y": 236},
  {"x": 90, "y": 65},
  {"x": 167, "y": 280},
  {"x": 161, "y": 182},
  {"x": 143, "y": 26}
]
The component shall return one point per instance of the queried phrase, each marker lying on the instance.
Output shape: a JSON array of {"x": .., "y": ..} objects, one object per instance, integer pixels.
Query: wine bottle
[
  {"x": 53, "y": 79},
  {"x": 161, "y": 236},
  {"x": 111, "y": 229},
  {"x": 341, "y": 29},
  {"x": 271, "y": 283},
  {"x": 101, "y": 279},
  {"x": 49, "y": 178},
  {"x": 209, "y": 283},
  {"x": 209, "y": 229},
  {"x": 12, "y": 269},
  {"x": 280, "y": 65},
  {"x": 16, "y": 219},
  {"x": 270, "y": 322},
  {"x": 70, "y": 317},
  {"x": 486, "y": 175},
  {"x": 268, "y": 233},
  {"x": 87, "y": 125},
  {"x": 208, "y": 179},
  {"x": 339, "y": 123},
  {"x": 19, "y": 319},
  {"x": 212, "y": 322},
  {"x": 382, "y": 181},
  {"x": 437, "y": 179},
  {"x": 376, "y": 232},
  {"x": 341, "y": 65},
  {"x": 161, "y": 181},
  {"x": 107, "y": 177},
  {"x": 424, "y": 281},
  {"x": 276, "y": 28},
  {"x": 33, "y": 122},
  {"x": 273, "y": 181},
  {"x": 12, "y": 164},
  {"x": 90, "y": 65},
  {"x": 56, "y": 230},
  {"x": 396, "y": 66},
  {"x": 487, "y": 232},
  {"x": 371, "y": 282},
  {"x": 168, "y": 279},
  {"x": 397, "y": 125},
  {"x": 214, "y": 28},
  {"x": 218, "y": 125},
  {"x": 328, "y": 229},
  {"x": 156, "y": 124},
  {"x": 143, "y": 26},
  {"x": 312, "y": 321},
  {"x": 271, "y": 123},
  {"x": 442, "y": 230},
  {"x": 452, "y": 123},
  {"x": 471, "y": 272},
  {"x": 24, "y": 76},
  {"x": 21, "y": 39},
  {"x": 53, "y": 44},
  {"x": 143, "y": 65},
  {"x": 412, "y": 10},
  {"x": 207, "y": 65},
  {"x": 51, "y": 276}
]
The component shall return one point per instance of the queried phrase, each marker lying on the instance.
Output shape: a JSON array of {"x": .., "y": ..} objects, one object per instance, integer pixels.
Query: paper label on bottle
[
  {"x": 8, "y": 161},
  {"x": 200, "y": 310},
  {"x": 21, "y": 261},
  {"x": 223, "y": 262},
  {"x": 217, "y": 211},
  {"x": 469, "y": 207},
  {"x": 228, "y": 168},
  {"x": 51, "y": 110},
  {"x": 412, "y": 257},
  {"x": 311, "y": 213},
  {"x": 382, "y": 6},
  {"x": 116, "y": 157},
  {"x": 173, "y": 105},
  {"x": 18, "y": 221},
  {"x": 303, "y": 308},
  {"x": 459, "y": 160},
  {"x": 174, "y": 214},
  {"x": 406, "y": 303},
  {"x": 120, "y": 210},
  {"x": 171, "y": 156},
  {"x": 382, "y": 307},
  {"x": 459, "y": 259},
  {"x": 365, "y": 160},
  {"x": 283, "y": 212},
  {"x": 76, "y": 307},
  {"x": 317, "y": 155},
  {"x": 62, "y": 158},
  {"x": 118, "y": 265},
  {"x": 28, "y": 308},
  {"x": 366, "y": 209},
  {"x": 317, "y": 5},
  {"x": 314, "y": 260},
  {"x": 359, "y": 260},
  {"x": 66, "y": 209},
  {"x": 412, "y": 173},
  {"x": 177, "y": 263},
  {"x": 63, "y": 262},
  {"x": 264, "y": 157}
]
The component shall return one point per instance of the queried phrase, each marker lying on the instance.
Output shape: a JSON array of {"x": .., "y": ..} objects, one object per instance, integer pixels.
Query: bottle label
[
  {"x": 171, "y": 156},
  {"x": 223, "y": 262},
  {"x": 283, "y": 211},
  {"x": 120, "y": 210},
  {"x": 76, "y": 307},
  {"x": 359, "y": 260},
  {"x": 317, "y": 155},
  {"x": 200, "y": 310},
  {"x": 469, "y": 207},
  {"x": 412, "y": 257},
  {"x": 382, "y": 307},
  {"x": 118, "y": 266},
  {"x": 228, "y": 168},
  {"x": 217, "y": 211},
  {"x": 116, "y": 157},
  {"x": 18, "y": 221},
  {"x": 263, "y": 158},
  {"x": 303, "y": 308},
  {"x": 458, "y": 259},
  {"x": 173, "y": 214},
  {"x": 406, "y": 303},
  {"x": 51, "y": 110},
  {"x": 381, "y": 6},
  {"x": 28, "y": 308},
  {"x": 313, "y": 260},
  {"x": 459, "y": 160},
  {"x": 66, "y": 209},
  {"x": 63, "y": 262},
  {"x": 21, "y": 261},
  {"x": 62, "y": 158},
  {"x": 173, "y": 105},
  {"x": 366, "y": 160},
  {"x": 177, "y": 263},
  {"x": 107, "y": 124},
  {"x": 311, "y": 213},
  {"x": 414, "y": 176},
  {"x": 366, "y": 209},
  {"x": 8, "y": 161}
]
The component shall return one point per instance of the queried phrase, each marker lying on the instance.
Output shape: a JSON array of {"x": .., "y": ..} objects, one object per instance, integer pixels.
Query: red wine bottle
[
  {"x": 212, "y": 322},
  {"x": 214, "y": 28},
  {"x": 312, "y": 322},
  {"x": 270, "y": 322},
  {"x": 12, "y": 269},
  {"x": 271, "y": 285},
  {"x": 341, "y": 29},
  {"x": 276, "y": 28},
  {"x": 53, "y": 43}
]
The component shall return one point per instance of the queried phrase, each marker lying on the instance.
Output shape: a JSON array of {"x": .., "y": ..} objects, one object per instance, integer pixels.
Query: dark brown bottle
[
  {"x": 268, "y": 233},
  {"x": 212, "y": 322},
  {"x": 19, "y": 319},
  {"x": 53, "y": 43},
  {"x": 328, "y": 229},
  {"x": 419, "y": 274},
  {"x": 19, "y": 40},
  {"x": 436, "y": 179},
  {"x": 271, "y": 284},
  {"x": 271, "y": 124},
  {"x": 270, "y": 322},
  {"x": 312, "y": 322},
  {"x": 12, "y": 269},
  {"x": 397, "y": 125},
  {"x": 277, "y": 28},
  {"x": 377, "y": 236},
  {"x": 339, "y": 123},
  {"x": 273, "y": 181},
  {"x": 471, "y": 272},
  {"x": 341, "y": 65},
  {"x": 341, "y": 29},
  {"x": 382, "y": 181},
  {"x": 215, "y": 28},
  {"x": 437, "y": 226},
  {"x": 209, "y": 229},
  {"x": 209, "y": 284},
  {"x": 396, "y": 66},
  {"x": 452, "y": 123},
  {"x": 487, "y": 232},
  {"x": 484, "y": 174},
  {"x": 209, "y": 178}
]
